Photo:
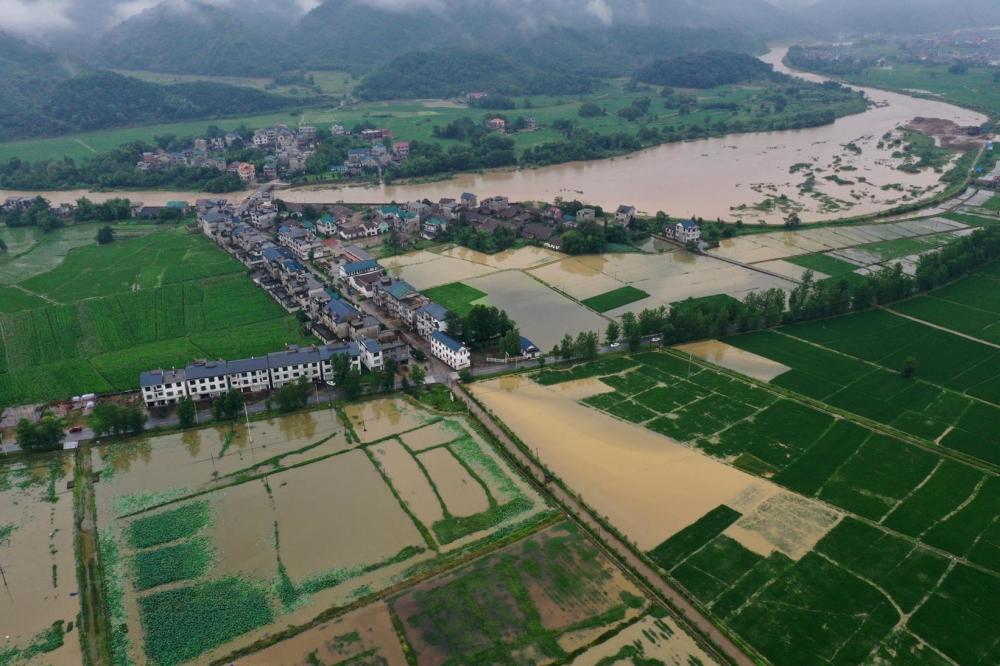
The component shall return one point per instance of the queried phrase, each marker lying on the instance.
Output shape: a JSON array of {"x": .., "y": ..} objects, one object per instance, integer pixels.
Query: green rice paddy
[
  {"x": 615, "y": 299},
  {"x": 457, "y": 297}
]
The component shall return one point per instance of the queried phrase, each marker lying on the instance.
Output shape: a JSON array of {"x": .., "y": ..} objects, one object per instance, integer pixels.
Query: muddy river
[{"x": 711, "y": 177}]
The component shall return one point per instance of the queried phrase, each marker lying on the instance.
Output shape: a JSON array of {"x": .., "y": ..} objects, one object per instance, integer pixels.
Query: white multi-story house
[
  {"x": 371, "y": 353},
  {"x": 249, "y": 375},
  {"x": 351, "y": 268},
  {"x": 328, "y": 352},
  {"x": 431, "y": 318},
  {"x": 685, "y": 232},
  {"x": 294, "y": 363},
  {"x": 449, "y": 350},
  {"x": 205, "y": 380},
  {"x": 162, "y": 387},
  {"x": 586, "y": 215},
  {"x": 298, "y": 239},
  {"x": 624, "y": 215}
]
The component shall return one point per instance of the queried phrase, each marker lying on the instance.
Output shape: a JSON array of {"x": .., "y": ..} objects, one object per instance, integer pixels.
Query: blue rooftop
[
  {"x": 363, "y": 266},
  {"x": 447, "y": 341},
  {"x": 341, "y": 310},
  {"x": 400, "y": 289},
  {"x": 435, "y": 310}
]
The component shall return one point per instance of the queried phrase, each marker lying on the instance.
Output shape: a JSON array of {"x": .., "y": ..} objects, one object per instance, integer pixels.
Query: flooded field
[
  {"x": 542, "y": 314},
  {"x": 364, "y": 636},
  {"x": 668, "y": 277},
  {"x": 758, "y": 248},
  {"x": 309, "y": 518},
  {"x": 646, "y": 484},
  {"x": 733, "y": 358},
  {"x": 657, "y": 639},
  {"x": 520, "y": 258},
  {"x": 536, "y": 601},
  {"x": 425, "y": 269},
  {"x": 38, "y": 605}
]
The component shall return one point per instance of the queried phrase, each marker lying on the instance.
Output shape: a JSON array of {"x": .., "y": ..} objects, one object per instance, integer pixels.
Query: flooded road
[{"x": 710, "y": 177}]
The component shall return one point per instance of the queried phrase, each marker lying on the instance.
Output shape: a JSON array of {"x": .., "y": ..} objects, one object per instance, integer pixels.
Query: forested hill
[
  {"x": 42, "y": 94},
  {"x": 453, "y": 72},
  {"x": 195, "y": 38},
  {"x": 705, "y": 70}
]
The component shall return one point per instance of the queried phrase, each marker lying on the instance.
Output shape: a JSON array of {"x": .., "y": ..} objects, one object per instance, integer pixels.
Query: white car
[
  {"x": 615, "y": 345},
  {"x": 656, "y": 338}
]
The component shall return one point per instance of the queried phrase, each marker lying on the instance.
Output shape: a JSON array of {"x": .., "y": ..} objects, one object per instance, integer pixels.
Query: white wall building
[
  {"x": 449, "y": 350},
  {"x": 162, "y": 387}
]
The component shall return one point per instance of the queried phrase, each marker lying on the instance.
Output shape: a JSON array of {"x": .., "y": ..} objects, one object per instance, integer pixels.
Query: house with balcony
[
  {"x": 206, "y": 380},
  {"x": 162, "y": 387}
]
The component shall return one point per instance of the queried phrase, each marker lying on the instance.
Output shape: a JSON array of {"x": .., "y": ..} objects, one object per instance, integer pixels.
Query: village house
[
  {"x": 399, "y": 299},
  {"x": 434, "y": 226},
  {"x": 162, "y": 387},
  {"x": 497, "y": 124},
  {"x": 352, "y": 268},
  {"x": 687, "y": 231},
  {"x": 371, "y": 353},
  {"x": 247, "y": 172},
  {"x": 249, "y": 375},
  {"x": 469, "y": 200},
  {"x": 328, "y": 352},
  {"x": 338, "y": 315},
  {"x": 294, "y": 363},
  {"x": 429, "y": 318},
  {"x": 205, "y": 380},
  {"x": 365, "y": 283},
  {"x": 586, "y": 215},
  {"x": 455, "y": 354},
  {"x": 624, "y": 215},
  {"x": 299, "y": 240}
]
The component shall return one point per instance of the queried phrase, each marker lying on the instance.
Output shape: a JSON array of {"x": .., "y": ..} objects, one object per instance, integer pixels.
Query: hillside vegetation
[
  {"x": 453, "y": 72},
  {"x": 42, "y": 94},
  {"x": 705, "y": 70}
]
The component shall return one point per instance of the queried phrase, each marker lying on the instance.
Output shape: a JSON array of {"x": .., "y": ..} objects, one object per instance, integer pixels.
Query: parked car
[
  {"x": 76, "y": 429},
  {"x": 615, "y": 345}
]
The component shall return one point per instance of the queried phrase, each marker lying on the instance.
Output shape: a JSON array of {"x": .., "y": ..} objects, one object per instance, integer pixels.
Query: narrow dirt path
[
  {"x": 725, "y": 648},
  {"x": 941, "y": 328},
  {"x": 96, "y": 626}
]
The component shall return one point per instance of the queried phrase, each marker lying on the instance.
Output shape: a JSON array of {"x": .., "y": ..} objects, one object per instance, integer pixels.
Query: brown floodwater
[
  {"x": 376, "y": 419},
  {"x": 366, "y": 634},
  {"x": 409, "y": 481},
  {"x": 708, "y": 177},
  {"x": 658, "y": 640},
  {"x": 648, "y": 485},
  {"x": 733, "y": 358},
  {"x": 433, "y": 435},
  {"x": 41, "y": 540},
  {"x": 462, "y": 494},
  {"x": 318, "y": 533}
]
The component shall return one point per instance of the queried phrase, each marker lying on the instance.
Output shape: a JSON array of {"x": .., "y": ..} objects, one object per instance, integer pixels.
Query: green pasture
[
  {"x": 974, "y": 89},
  {"x": 615, "y": 299},
  {"x": 457, "y": 297},
  {"x": 106, "y": 313}
]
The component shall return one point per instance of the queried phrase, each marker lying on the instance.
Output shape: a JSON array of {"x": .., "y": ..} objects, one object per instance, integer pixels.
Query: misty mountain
[
  {"x": 192, "y": 37},
  {"x": 43, "y": 94},
  {"x": 902, "y": 16},
  {"x": 452, "y": 72}
]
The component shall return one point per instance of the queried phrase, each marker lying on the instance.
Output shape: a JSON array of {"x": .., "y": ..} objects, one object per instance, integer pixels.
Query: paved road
[{"x": 611, "y": 542}]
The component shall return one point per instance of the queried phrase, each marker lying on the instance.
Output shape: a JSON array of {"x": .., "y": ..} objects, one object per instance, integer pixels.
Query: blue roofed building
[
  {"x": 455, "y": 354},
  {"x": 429, "y": 318},
  {"x": 352, "y": 268}
]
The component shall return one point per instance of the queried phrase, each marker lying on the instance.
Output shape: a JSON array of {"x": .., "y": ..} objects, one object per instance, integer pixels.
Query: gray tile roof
[
  {"x": 247, "y": 365},
  {"x": 157, "y": 377},
  {"x": 206, "y": 370}
]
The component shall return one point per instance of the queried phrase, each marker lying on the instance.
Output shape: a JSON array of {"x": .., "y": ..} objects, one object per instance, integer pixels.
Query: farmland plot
[
  {"x": 238, "y": 525},
  {"x": 847, "y": 524},
  {"x": 137, "y": 312},
  {"x": 39, "y": 606},
  {"x": 550, "y": 597}
]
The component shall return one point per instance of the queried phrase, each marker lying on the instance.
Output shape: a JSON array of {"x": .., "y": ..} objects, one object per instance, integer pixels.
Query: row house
[
  {"x": 399, "y": 299},
  {"x": 350, "y": 269},
  {"x": 371, "y": 353},
  {"x": 455, "y": 354},
  {"x": 300, "y": 240},
  {"x": 430, "y": 318},
  {"x": 162, "y": 387}
]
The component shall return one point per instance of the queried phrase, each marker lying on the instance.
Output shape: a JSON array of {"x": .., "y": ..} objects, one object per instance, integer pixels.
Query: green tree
[
  {"x": 351, "y": 385},
  {"x": 612, "y": 333},
  {"x": 105, "y": 235},
  {"x": 46, "y": 435},
  {"x": 510, "y": 342},
  {"x": 586, "y": 345},
  {"x": 418, "y": 375},
  {"x": 566, "y": 347},
  {"x": 909, "y": 369},
  {"x": 389, "y": 375},
  {"x": 292, "y": 396},
  {"x": 111, "y": 419},
  {"x": 465, "y": 374},
  {"x": 186, "y": 412}
]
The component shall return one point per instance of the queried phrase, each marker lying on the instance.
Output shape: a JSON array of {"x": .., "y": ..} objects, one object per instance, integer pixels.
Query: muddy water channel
[{"x": 712, "y": 177}]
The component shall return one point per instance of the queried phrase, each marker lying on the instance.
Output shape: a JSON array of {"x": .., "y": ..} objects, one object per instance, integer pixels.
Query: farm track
[
  {"x": 940, "y": 328},
  {"x": 714, "y": 639},
  {"x": 90, "y": 577}
]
